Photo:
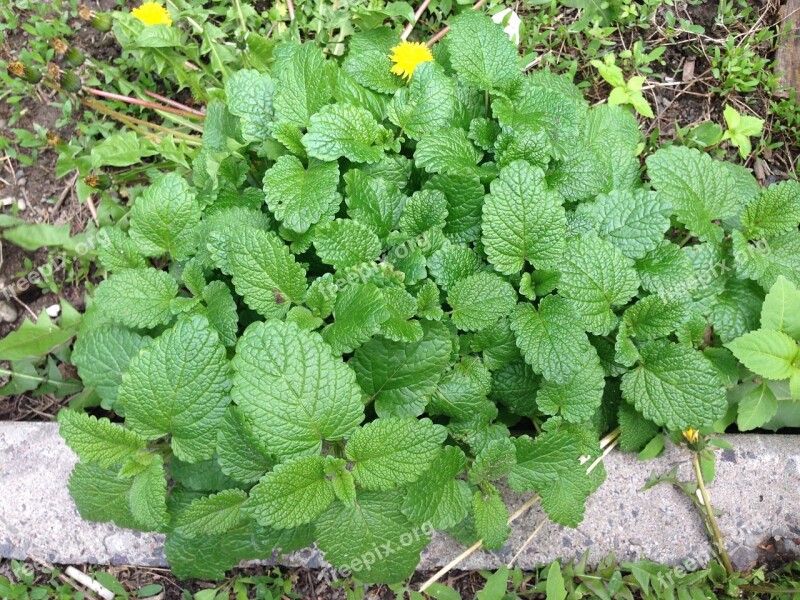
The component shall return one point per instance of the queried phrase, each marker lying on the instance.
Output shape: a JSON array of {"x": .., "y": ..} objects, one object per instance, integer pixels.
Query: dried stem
[
  {"x": 444, "y": 31},
  {"x": 137, "y": 101},
  {"x": 719, "y": 542},
  {"x": 176, "y": 104},
  {"x": 417, "y": 14}
]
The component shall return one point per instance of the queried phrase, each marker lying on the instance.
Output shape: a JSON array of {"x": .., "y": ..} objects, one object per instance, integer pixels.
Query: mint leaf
[
  {"x": 373, "y": 201},
  {"x": 445, "y": 151},
  {"x": 552, "y": 338},
  {"x": 306, "y": 85},
  {"x": 523, "y": 220},
  {"x": 439, "y": 499},
  {"x": 102, "y": 355},
  {"x": 481, "y": 52},
  {"x": 400, "y": 377},
  {"x": 221, "y": 311},
  {"x": 264, "y": 272},
  {"x": 633, "y": 220},
  {"x": 239, "y": 453},
  {"x": 497, "y": 344},
  {"x": 117, "y": 251},
  {"x": 250, "y": 95},
  {"x": 402, "y": 306},
  {"x": 464, "y": 193},
  {"x": 462, "y": 391},
  {"x": 355, "y": 537},
  {"x": 426, "y": 105},
  {"x": 164, "y": 218},
  {"x": 211, "y": 515},
  {"x": 494, "y": 461},
  {"x": 596, "y": 277},
  {"x": 101, "y": 495},
  {"x": 653, "y": 317},
  {"x": 292, "y": 390},
  {"x": 491, "y": 519},
  {"x": 771, "y": 354},
  {"x": 776, "y": 210},
  {"x": 389, "y": 452},
  {"x": 294, "y": 493},
  {"x": 700, "y": 188},
  {"x": 635, "y": 430},
  {"x": 768, "y": 259},
  {"x": 299, "y": 197},
  {"x": 576, "y": 399},
  {"x": 781, "y": 308},
  {"x": 137, "y": 297},
  {"x": 343, "y": 130},
  {"x": 344, "y": 243},
  {"x": 549, "y": 464},
  {"x": 453, "y": 263},
  {"x": 426, "y": 209},
  {"x": 147, "y": 496},
  {"x": 179, "y": 386},
  {"x": 479, "y": 300},
  {"x": 613, "y": 134},
  {"x": 736, "y": 310},
  {"x": 675, "y": 386},
  {"x": 665, "y": 271},
  {"x": 98, "y": 441},
  {"x": 358, "y": 312},
  {"x": 756, "y": 407},
  {"x": 368, "y": 61}
]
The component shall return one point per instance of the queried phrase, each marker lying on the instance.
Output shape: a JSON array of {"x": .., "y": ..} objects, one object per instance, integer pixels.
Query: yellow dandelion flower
[
  {"x": 152, "y": 13},
  {"x": 691, "y": 435},
  {"x": 407, "y": 55}
]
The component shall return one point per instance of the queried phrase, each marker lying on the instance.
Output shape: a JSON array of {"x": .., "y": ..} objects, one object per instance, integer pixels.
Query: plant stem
[
  {"x": 175, "y": 103},
  {"x": 444, "y": 31},
  {"x": 113, "y": 113},
  {"x": 145, "y": 103},
  {"x": 712, "y": 521},
  {"x": 417, "y": 14}
]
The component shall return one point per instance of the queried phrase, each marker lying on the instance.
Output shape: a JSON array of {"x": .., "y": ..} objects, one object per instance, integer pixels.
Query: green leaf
[
  {"x": 491, "y": 519},
  {"x": 306, "y": 85},
  {"x": 116, "y": 251},
  {"x": 523, "y": 220},
  {"x": 294, "y": 493},
  {"x": 101, "y": 495},
  {"x": 613, "y": 134},
  {"x": 402, "y": 307},
  {"x": 221, "y": 311},
  {"x": 400, "y": 377},
  {"x": 294, "y": 393},
  {"x": 373, "y": 201},
  {"x": 437, "y": 498},
  {"x": 554, "y": 588},
  {"x": 479, "y": 300},
  {"x": 179, "y": 386},
  {"x": 635, "y": 431},
  {"x": 596, "y": 277},
  {"x": 354, "y": 537},
  {"x": 344, "y": 243},
  {"x": 453, "y": 263},
  {"x": 481, "y": 53},
  {"x": 426, "y": 105},
  {"x": 675, "y": 386},
  {"x": 552, "y": 338},
  {"x": 700, "y": 189},
  {"x": 771, "y": 354},
  {"x": 137, "y": 297},
  {"x": 164, "y": 218},
  {"x": 633, "y": 220},
  {"x": 211, "y": 515},
  {"x": 550, "y": 465},
  {"x": 576, "y": 399},
  {"x": 781, "y": 308},
  {"x": 769, "y": 258},
  {"x": 265, "y": 272},
  {"x": 736, "y": 309},
  {"x": 343, "y": 130},
  {"x": 250, "y": 95},
  {"x": 464, "y": 193},
  {"x": 35, "y": 339},
  {"x": 776, "y": 210},
  {"x": 148, "y": 496},
  {"x": 299, "y": 197},
  {"x": 462, "y": 391},
  {"x": 756, "y": 407},
  {"x": 426, "y": 209},
  {"x": 358, "y": 312},
  {"x": 445, "y": 151},
  {"x": 98, "y": 441},
  {"x": 239, "y": 453},
  {"x": 368, "y": 60},
  {"x": 665, "y": 271},
  {"x": 389, "y": 452},
  {"x": 652, "y": 317},
  {"x": 493, "y": 462}
]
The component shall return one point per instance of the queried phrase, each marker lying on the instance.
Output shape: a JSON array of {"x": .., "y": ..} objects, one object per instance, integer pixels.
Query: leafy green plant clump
[{"x": 329, "y": 331}]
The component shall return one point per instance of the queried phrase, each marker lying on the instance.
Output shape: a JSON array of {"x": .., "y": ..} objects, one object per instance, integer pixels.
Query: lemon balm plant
[{"x": 293, "y": 365}]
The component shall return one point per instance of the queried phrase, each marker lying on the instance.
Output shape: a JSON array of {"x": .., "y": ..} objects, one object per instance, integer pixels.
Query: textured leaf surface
[
  {"x": 464, "y": 193},
  {"x": 137, "y": 297},
  {"x": 479, "y": 300},
  {"x": 343, "y": 130},
  {"x": 400, "y": 377},
  {"x": 551, "y": 338},
  {"x": 373, "y": 201},
  {"x": 438, "y": 498},
  {"x": 292, "y": 390},
  {"x": 550, "y": 465},
  {"x": 211, "y": 515},
  {"x": 426, "y": 105},
  {"x": 98, "y": 441},
  {"x": 675, "y": 386},
  {"x": 306, "y": 85},
  {"x": 491, "y": 519},
  {"x": 776, "y": 210},
  {"x": 358, "y": 312},
  {"x": 101, "y": 495},
  {"x": 299, "y": 197},
  {"x": 522, "y": 220},
  {"x": 148, "y": 496},
  {"x": 179, "y": 386},
  {"x": 294, "y": 493},
  {"x": 781, "y": 309},
  {"x": 446, "y": 150},
  {"x": 239, "y": 453},
  {"x": 250, "y": 94},
  {"x": 576, "y": 399},
  {"x": 389, "y": 452},
  {"x": 769, "y": 353},
  {"x": 344, "y": 243}
]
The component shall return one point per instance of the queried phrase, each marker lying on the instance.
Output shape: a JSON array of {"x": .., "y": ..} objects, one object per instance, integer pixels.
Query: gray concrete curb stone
[{"x": 757, "y": 489}]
